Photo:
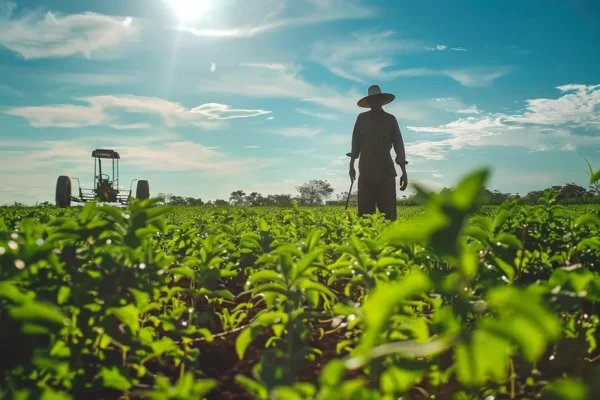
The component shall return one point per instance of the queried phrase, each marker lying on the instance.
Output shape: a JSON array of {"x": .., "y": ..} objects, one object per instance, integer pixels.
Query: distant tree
[
  {"x": 177, "y": 201},
  {"x": 314, "y": 192},
  {"x": 573, "y": 191},
  {"x": 255, "y": 199},
  {"x": 194, "y": 202},
  {"x": 221, "y": 203},
  {"x": 533, "y": 196},
  {"x": 280, "y": 200},
  {"x": 237, "y": 198},
  {"x": 344, "y": 196}
]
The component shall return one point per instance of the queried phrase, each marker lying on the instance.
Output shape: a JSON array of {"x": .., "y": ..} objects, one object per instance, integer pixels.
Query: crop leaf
[
  {"x": 114, "y": 379},
  {"x": 129, "y": 315},
  {"x": 384, "y": 299}
]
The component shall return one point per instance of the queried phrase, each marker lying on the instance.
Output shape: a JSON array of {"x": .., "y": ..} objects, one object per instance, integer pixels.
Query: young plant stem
[{"x": 512, "y": 379}]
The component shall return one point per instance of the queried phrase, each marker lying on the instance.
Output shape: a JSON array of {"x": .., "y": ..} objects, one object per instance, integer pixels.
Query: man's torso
[{"x": 376, "y": 133}]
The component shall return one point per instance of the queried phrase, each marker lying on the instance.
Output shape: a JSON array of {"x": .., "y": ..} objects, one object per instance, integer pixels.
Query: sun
[{"x": 188, "y": 10}]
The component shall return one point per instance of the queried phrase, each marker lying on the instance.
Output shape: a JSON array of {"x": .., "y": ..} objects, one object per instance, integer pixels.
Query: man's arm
[
  {"x": 355, "y": 142},
  {"x": 398, "y": 143},
  {"x": 400, "y": 154}
]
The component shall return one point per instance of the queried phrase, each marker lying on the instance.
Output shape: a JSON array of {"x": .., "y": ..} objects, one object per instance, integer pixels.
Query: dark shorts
[{"x": 379, "y": 195}]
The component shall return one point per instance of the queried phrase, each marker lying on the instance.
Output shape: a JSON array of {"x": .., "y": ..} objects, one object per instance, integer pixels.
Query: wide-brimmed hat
[{"x": 375, "y": 91}]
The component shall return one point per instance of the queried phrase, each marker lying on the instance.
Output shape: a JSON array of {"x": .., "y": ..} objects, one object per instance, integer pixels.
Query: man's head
[
  {"x": 375, "y": 98},
  {"x": 375, "y": 102}
]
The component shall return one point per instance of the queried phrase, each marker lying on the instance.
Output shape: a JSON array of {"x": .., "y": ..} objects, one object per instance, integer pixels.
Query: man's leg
[
  {"x": 366, "y": 197},
  {"x": 386, "y": 199}
]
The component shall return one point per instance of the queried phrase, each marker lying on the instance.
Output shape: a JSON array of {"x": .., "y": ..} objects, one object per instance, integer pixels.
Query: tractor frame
[{"x": 106, "y": 187}]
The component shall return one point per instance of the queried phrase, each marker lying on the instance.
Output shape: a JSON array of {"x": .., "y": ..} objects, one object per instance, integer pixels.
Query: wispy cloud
[
  {"x": 34, "y": 35},
  {"x": 442, "y": 47},
  {"x": 476, "y": 76},
  {"x": 322, "y": 115},
  {"x": 365, "y": 54},
  {"x": 110, "y": 110},
  {"x": 454, "y": 105},
  {"x": 263, "y": 16},
  {"x": 303, "y": 131},
  {"x": 10, "y": 91},
  {"x": 222, "y": 111},
  {"x": 370, "y": 55},
  {"x": 278, "y": 81},
  {"x": 91, "y": 79}
]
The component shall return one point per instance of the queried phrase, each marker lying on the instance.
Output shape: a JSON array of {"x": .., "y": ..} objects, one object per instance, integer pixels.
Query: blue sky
[{"x": 205, "y": 97}]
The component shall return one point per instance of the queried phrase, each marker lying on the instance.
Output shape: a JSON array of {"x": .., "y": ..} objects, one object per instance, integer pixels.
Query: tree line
[
  {"x": 311, "y": 193},
  {"x": 569, "y": 193},
  {"x": 317, "y": 192}
]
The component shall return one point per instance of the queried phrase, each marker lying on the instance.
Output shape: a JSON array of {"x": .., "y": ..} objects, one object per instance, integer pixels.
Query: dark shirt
[{"x": 374, "y": 135}]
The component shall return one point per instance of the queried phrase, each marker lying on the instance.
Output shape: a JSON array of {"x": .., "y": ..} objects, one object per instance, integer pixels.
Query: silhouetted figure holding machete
[{"x": 375, "y": 133}]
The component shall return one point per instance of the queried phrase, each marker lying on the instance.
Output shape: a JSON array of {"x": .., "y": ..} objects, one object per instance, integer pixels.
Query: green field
[{"x": 454, "y": 301}]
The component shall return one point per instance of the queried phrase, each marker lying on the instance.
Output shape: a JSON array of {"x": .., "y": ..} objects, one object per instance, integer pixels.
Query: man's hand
[
  {"x": 403, "y": 182},
  {"x": 352, "y": 173}
]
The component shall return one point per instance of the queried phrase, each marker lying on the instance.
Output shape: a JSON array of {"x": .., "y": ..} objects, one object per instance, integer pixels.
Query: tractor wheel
[
  {"x": 63, "y": 191},
  {"x": 143, "y": 190}
]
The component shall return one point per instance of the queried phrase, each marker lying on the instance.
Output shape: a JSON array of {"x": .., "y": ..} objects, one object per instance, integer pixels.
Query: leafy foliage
[{"x": 454, "y": 300}]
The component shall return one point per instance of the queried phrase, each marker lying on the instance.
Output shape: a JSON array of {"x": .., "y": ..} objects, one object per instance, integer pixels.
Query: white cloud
[
  {"x": 369, "y": 55},
  {"x": 454, "y": 105},
  {"x": 88, "y": 35},
  {"x": 530, "y": 130},
  {"x": 222, "y": 111},
  {"x": 470, "y": 110},
  {"x": 303, "y": 131},
  {"x": 436, "y": 175},
  {"x": 251, "y": 18},
  {"x": 107, "y": 110},
  {"x": 580, "y": 105},
  {"x": 322, "y": 115},
  {"x": 458, "y": 49},
  {"x": 252, "y": 147},
  {"x": 213, "y": 67},
  {"x": 130, "y": 126}
]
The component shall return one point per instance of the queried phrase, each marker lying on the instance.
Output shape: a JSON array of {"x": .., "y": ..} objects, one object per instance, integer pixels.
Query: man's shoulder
[{"x": 389, "y": 115}]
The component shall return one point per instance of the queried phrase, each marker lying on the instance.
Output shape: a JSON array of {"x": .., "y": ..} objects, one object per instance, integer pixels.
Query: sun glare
[{"x": 188, "y": 10}]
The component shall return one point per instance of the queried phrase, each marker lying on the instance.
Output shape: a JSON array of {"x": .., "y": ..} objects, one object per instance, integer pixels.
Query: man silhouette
[{"x": 375, "y": 133}]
